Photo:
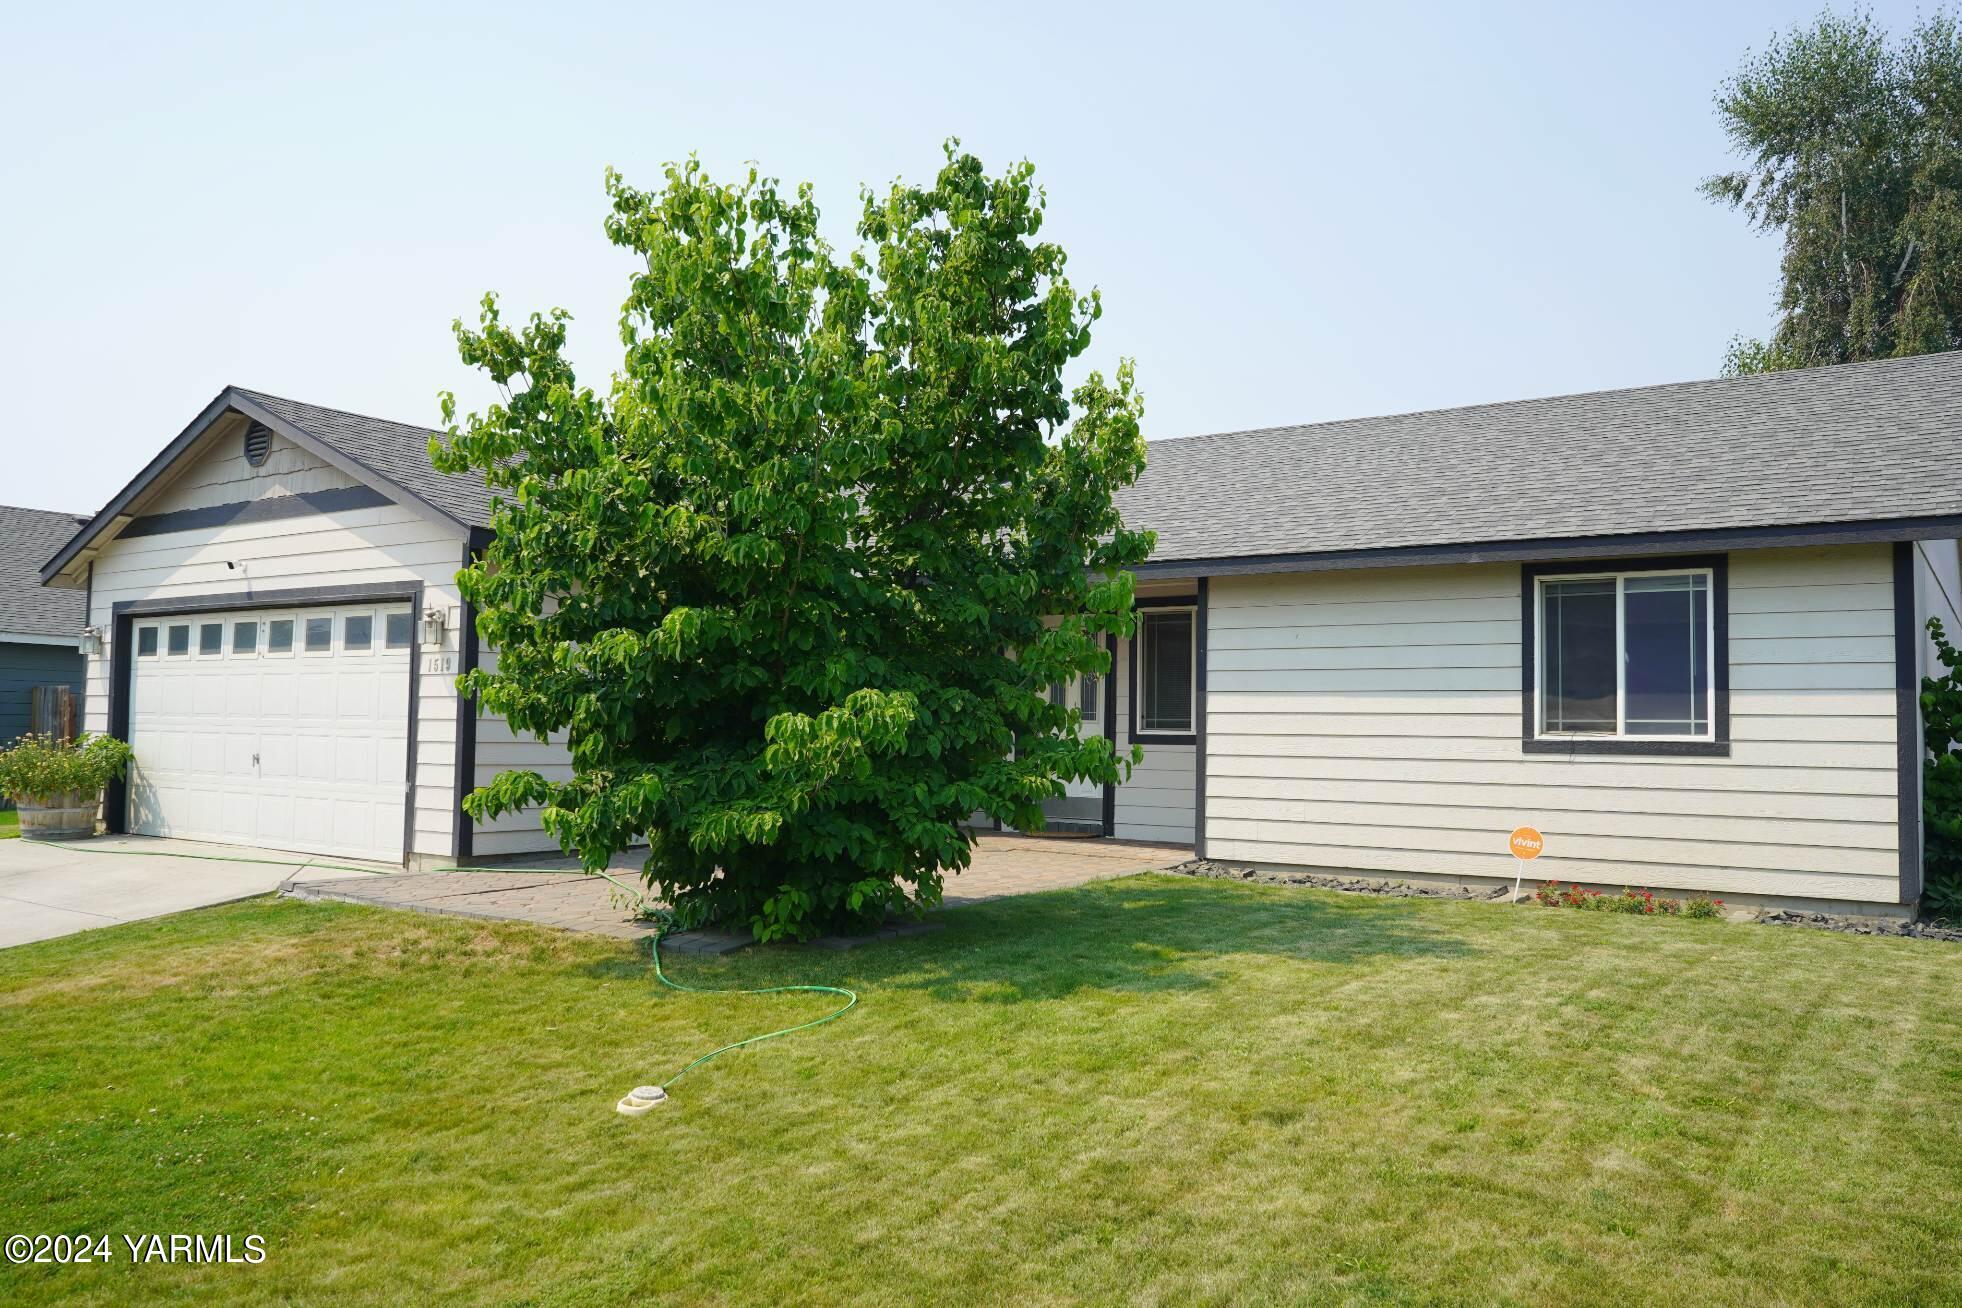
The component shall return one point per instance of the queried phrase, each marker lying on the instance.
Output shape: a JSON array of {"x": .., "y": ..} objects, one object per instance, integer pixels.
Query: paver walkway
[{"x": 1003, "y": 865}]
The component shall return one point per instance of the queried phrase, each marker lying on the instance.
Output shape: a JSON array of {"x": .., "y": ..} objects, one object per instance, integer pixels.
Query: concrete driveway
[{"x": 50, "y": 889}]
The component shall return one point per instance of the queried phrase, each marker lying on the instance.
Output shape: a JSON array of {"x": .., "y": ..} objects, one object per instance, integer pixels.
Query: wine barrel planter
[{"x": 57, "y": 817}]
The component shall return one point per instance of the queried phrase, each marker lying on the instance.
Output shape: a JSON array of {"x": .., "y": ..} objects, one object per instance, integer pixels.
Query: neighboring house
[
  {"x": 1677, "y": 629},
  {"x": 281, "y": 631},
  {"x": 40, "y": 629}
]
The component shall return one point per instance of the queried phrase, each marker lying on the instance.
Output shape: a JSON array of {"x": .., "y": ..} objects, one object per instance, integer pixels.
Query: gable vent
[{"x": 258, "y": 443}]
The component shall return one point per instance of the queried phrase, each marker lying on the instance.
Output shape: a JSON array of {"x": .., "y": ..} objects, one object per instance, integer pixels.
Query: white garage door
[{"x": 281, "y": 728}]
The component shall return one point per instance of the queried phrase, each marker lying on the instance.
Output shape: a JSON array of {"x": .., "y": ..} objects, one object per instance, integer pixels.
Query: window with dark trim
[
  {"x": 1164, "y": 694},
  {"x": 1626, "y": 657},
  {"x": 1086, "y": 695}
]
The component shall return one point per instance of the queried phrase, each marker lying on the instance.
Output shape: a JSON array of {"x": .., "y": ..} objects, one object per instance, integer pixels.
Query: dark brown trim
[
  {"x": 124, "y": 614},
  {"x": 115, "y": 795},
  {"x": 1907, "y": 724},
  {"x": 1199, "y": 724},
  {"x": 292, "y": 597},
  {"x": 272, "y": 508},
  {"x": 1110, "y": 732},
  {"x": 464, "y": 838},
  {"x": 1596, "y": 548},
  {"x": 1529, "y": 740},
  {"x": 1131, "y": 672}
]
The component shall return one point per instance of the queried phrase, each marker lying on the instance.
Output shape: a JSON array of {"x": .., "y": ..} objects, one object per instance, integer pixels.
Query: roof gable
[{"x": 390, "y": 458}]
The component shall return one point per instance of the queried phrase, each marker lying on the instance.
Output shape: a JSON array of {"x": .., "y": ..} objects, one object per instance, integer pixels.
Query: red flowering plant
[{"x": 1641, "y": 903}]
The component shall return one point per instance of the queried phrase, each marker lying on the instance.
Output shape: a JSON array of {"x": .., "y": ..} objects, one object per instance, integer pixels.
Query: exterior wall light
[
  {"x": 92, "y": 642},
  {"x": 434, "y": 624}
]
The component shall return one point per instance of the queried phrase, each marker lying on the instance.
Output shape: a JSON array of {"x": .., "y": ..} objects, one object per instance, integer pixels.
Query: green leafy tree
[
  {"x": 1941, "y": 777},
  {"x": 796, "y": 584},
  {"x": 1852, "y": 152}
]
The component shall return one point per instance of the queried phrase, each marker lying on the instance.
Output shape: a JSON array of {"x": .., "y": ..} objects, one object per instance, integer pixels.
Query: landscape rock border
[
  {"x": 1851, "y": 925},
  {"x": 1859, "y": 926},
  {"x": 1210, "y": 868}
]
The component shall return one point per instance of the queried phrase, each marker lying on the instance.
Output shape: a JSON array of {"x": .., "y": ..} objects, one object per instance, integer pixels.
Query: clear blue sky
[{"x": 1292, "y": 215}]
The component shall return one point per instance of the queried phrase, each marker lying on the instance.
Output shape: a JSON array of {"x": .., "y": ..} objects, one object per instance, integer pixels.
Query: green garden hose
[{"x": 641, "y": 1099}]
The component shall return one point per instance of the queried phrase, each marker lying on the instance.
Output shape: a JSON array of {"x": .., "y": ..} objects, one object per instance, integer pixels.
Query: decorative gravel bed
[
  {"x": 1861, "y": 926},
  {"x": 1206, "y": 867}
]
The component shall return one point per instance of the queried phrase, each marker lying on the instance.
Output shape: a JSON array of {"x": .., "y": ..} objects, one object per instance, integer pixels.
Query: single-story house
[
  {"x": 1676, "y": 629},
  {"x": 40, "y": 628}
]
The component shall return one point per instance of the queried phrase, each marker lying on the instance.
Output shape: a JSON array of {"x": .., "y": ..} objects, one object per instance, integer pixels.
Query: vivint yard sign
[{"x": 1527, "y": 844}]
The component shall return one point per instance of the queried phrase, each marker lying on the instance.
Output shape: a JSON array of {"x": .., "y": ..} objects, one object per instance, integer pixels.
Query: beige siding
[
  {"x": 222, "y": 476},
  {"x": 354, "y": 547},
  {"x": 499, "y": 749},
  {"x": 1371, "y": 720},
  {"x": 1157, "y": 802},
  {"x": 1938, "y": 594}
]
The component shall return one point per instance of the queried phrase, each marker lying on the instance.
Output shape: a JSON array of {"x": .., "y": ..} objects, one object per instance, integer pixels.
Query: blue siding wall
[{"x": 23, "y": 667}]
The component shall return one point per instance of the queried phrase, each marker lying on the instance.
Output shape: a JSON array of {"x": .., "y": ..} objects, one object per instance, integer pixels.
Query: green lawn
[
  {"x": 1153, "y": 1089},
  {"x": 9, "y": 823}
]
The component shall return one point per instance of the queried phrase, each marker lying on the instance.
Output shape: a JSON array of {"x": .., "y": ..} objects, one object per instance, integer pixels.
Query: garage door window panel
[
  {"x": 245, "y": 638},
  {"x": 177, "y": 640},
  {"x": 357, "y": 633},
  {"x": 318, "y": 635},
  {"x": 279, "y": 636},
  {"x": 146, "y": 642}
]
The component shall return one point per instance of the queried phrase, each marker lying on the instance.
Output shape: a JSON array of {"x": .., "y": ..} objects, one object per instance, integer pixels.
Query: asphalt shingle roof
[
  {"x": 394, "y": 450},
  {"x": 1823, "y": 445},
  {"x": 28, "y": 537}
]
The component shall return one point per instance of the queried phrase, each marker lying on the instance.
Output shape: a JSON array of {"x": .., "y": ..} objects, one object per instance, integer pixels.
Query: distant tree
[
  {"x": 1853, "y": 154},
  {"x": 796, "y": 585}
]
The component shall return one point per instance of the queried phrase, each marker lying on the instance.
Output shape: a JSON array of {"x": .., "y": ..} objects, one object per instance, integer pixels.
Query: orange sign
[{"x": 1527, "y": 843}]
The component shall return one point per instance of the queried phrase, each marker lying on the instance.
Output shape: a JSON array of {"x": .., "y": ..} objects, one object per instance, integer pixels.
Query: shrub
[
  {"x": 1641, "y": 903},
  {"x": 1941, "y": 779},
  {"x": 37, "y": 767}
]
